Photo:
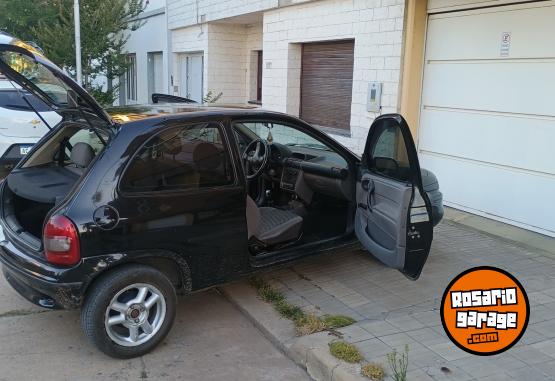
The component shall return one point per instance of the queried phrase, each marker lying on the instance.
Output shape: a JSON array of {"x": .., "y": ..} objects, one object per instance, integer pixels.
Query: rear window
[
  {"x": 182, "y": 158},
  {"x": 13, "y": 100}
]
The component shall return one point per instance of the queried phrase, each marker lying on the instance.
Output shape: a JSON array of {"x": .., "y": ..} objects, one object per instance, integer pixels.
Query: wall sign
[{"x": 505, "y": 44}]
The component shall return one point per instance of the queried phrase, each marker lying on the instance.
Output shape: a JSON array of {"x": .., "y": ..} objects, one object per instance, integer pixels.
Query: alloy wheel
[{"x": 135, "y": 314}]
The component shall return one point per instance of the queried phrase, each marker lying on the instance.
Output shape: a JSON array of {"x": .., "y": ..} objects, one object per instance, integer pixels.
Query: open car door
[{"x": 393, "y": 218}]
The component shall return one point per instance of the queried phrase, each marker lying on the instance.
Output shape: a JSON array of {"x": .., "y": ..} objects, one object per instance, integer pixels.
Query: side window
[
  {"x": 188, "y": 157},
  {"x": 389, "y": 154}
]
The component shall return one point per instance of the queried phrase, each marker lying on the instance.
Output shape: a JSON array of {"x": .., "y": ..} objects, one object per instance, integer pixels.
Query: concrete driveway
[
  {"x": 392, "y": 311},
  {"x": 210, "y": 340}
]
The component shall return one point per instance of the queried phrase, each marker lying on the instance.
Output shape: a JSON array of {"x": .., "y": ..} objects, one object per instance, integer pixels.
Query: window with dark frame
[
  {"x": 259, "y": 76},
  {"x": 181, "y": 158},
  {"x": 131, "y": 77}
]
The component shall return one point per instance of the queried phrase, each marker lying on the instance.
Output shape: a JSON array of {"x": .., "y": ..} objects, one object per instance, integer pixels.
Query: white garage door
[{"x": 487, "y": 124}]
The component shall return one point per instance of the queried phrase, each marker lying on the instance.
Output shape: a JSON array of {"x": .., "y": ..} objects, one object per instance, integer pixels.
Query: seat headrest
[
  {"x": 82, "y": 154},
  {"x": 206, "y": 156}
]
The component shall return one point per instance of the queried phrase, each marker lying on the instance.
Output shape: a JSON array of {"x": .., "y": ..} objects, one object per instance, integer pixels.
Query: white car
[{"x": 20, "y": 126}]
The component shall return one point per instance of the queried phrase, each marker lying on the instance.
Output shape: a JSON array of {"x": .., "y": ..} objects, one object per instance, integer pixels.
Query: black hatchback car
[{"x": 115, "y": 218}]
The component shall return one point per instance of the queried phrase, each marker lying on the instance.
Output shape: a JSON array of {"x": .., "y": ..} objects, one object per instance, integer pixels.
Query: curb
[{"x": 310, "y": 352}]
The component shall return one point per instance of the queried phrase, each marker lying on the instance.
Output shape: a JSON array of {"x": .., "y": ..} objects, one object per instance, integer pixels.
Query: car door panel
[
  {"x": 393, "y": 218},
  {"x": 385, "y": 203}
]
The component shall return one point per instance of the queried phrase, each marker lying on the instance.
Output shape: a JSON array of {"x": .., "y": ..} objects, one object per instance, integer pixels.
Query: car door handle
[{"x": 365, "y": 184}]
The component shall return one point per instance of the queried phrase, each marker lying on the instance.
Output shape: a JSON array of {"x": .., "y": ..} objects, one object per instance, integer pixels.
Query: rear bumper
[{"x": 43, "y": 292}]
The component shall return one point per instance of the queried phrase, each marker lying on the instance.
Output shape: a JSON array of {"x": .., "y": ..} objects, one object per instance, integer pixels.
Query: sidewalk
[{"x": 392, "y": 311}]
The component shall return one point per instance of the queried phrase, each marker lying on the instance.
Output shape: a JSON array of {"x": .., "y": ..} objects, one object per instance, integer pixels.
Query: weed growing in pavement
[
  {"x": 308, "y": 324},
  {"x": 345, "y": 351},
  {"x": 399, "y": 364},
  {"x": 271, "y": 295},
  {"x": 337, "y": 321},
  {"x": 305, "y": 324},
  {"x": 373, "y": 371}
]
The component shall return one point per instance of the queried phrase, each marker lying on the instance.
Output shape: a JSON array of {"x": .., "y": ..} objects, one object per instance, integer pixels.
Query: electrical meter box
[{"x": 374, "y": 103}]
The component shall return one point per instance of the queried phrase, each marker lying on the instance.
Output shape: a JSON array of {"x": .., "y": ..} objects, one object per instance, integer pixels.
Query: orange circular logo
[{"x": 485, "y": 310}]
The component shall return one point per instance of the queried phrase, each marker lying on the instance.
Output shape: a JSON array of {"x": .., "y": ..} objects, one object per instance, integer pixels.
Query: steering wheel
[{"x": 255, "y": 157}]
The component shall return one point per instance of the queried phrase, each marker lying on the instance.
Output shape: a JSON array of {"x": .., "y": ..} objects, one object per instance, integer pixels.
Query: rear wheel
[{"x": 129, "y": 311}]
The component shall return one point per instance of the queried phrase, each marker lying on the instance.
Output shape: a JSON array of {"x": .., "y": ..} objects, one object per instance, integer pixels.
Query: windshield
[
  {"x": 40, "y": 76},
  {"x": 285, "y": 135}
]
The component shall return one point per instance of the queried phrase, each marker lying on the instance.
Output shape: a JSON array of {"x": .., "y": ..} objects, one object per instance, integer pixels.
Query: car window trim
[{"x": 168, "y": 192}]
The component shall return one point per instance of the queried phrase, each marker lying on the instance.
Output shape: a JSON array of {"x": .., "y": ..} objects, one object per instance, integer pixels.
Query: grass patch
[
  {"x": 289, "y": 311},
  {"x": 337, "y": 321},
  {"x": 270, "y": 294},
  {"x": 309, "y": 324},
  {"x": 373, "y": 371},
  {"x": 345, "y": 351},
  {"x": 305, "y": 324}
]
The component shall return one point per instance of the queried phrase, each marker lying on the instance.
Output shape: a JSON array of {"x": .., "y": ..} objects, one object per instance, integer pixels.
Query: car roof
[{"x": 127, "y": 114}]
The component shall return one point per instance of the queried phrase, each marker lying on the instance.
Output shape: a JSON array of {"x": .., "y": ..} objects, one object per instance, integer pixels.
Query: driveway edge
[{"x": 310, "y": 352}]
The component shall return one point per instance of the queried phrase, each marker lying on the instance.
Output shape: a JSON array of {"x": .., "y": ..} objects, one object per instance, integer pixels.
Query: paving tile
[
  {"x": 379, "y": 327},
  {"x": 547, "y": 367},
  {"x": 374, "y": 348},
  {"x": 530, "y": 355},
  {"x": 547, "y": 347},
  {"x": 355, "y": 334},
  {"x": 451, "y": 373},
  {"x": 449, "y": 351},
  {"x": 405, "y": 323},
  {"x": 531, "y": 374},
  {"x": 418, "y": 375},
  {"x": 427, "y": 336},
  {"x": 546, "y": 328}
]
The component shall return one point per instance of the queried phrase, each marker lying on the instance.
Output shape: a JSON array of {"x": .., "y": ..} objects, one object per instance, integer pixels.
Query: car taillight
[{"x": 61, "y": 242}]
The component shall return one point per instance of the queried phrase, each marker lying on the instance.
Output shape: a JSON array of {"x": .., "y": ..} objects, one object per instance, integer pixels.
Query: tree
[
  {"x": 19, "y": 18},
  {"x": 105, "y": 27}
]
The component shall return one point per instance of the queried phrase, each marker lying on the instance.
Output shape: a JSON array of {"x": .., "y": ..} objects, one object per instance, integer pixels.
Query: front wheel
[{"x": 129, "y": 311}]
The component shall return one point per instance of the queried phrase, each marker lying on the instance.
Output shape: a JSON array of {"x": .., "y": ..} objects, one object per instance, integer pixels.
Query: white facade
[
  {"x": 229, "y": 32},
  {"x": 148, "y": 43}
]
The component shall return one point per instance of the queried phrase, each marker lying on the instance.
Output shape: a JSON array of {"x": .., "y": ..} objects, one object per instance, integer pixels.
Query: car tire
[{"x": 116, "y": 321}]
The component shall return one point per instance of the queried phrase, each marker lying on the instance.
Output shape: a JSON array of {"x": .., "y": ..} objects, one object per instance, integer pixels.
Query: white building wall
[
  {"x": 150, "y": 37},
  {"x": 377, "y": 28},
  {"x": 228, "y": 45},
  {"x": 226, "y": 48},
  {"x": 193, "y": 39},
  {"x": 182, "y": 13},
  {"x": 227, "y": 61}
]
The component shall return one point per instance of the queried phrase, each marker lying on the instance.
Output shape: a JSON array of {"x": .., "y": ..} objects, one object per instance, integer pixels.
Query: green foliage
[
  {"x": 289, "y": 311},
  {"x": 105, "y": 26},
  {"x": 270, "y": 294},
  {"x": 338, "y": 321},
  {"x": 20, "y": 17},
  {"x": 399, "y": 364},
  {"x": 345, "y": 351},
  {"x": 373, "y": 371}
]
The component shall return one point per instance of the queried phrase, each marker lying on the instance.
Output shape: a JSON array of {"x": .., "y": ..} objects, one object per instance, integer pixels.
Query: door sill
[{"x": 285, "y": 255}]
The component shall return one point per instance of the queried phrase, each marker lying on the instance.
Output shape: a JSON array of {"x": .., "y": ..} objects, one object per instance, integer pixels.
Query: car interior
[
  {"x": 299, "y": 190},
  {"x": 48, "y": 176}
]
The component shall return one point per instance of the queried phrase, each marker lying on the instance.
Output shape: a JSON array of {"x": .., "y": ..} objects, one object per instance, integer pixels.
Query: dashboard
[{"x": 305, "y": 171}]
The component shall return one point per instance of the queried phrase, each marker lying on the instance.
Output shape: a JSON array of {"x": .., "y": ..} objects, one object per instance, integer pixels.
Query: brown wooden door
[{"x": 327, "y": 83}]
